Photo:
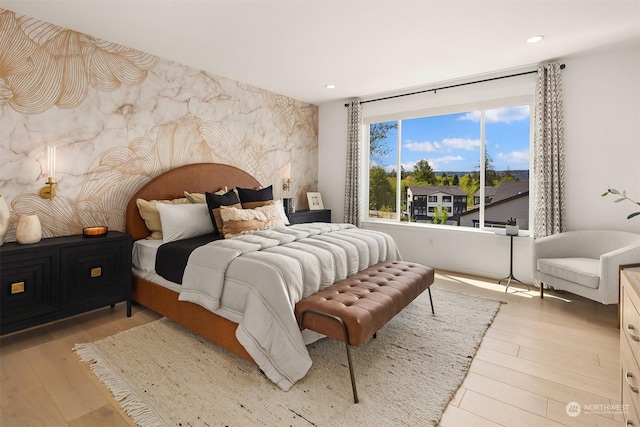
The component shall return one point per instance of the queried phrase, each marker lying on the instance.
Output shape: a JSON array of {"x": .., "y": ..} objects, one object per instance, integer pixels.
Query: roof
[
  {"x": 488, "y": 191},
  {"x": 452, "y": 190},
  {"x": 508, "y": 189},
  {"x": 505, "y": 190}
]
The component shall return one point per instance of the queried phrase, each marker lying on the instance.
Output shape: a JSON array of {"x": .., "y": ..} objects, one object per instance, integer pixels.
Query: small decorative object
[
  {"x": 315, "y": 201},
  {"x": 28, "y": 230},
  {"x": 4, "y": 219},
  {"x": 95, "y": 231},
  {"x": 512, "y": 228}
]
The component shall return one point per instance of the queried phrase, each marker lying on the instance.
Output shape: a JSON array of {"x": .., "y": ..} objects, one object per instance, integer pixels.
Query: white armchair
[{"x": 585, "y": 262}]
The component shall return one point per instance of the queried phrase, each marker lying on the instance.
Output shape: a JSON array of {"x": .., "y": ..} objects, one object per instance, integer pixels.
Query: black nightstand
[
  {"x": 62, "y": 276},
  {"x": 300, "y": 217}
]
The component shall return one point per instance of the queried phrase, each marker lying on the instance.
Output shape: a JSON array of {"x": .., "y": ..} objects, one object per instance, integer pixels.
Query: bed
[{"x": 164, "y": 298}]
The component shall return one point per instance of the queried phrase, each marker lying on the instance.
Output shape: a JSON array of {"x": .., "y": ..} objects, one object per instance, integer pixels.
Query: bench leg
[
  {"x": 431, "y": 301},
  {"x": 346, "y": 344}
]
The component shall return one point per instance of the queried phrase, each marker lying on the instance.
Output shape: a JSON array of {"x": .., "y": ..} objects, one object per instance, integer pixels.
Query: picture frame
[{"x": 315, "y": 201}]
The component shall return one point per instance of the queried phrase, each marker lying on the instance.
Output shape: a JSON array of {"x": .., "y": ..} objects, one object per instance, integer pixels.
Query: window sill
[{"x": 391, "y": 224}]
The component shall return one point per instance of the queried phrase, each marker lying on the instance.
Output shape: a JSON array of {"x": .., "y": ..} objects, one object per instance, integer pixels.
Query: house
[
  {"x": 424, "y": 201},
  {"x": 263, "y": 103},
  {"x": 489, "y": 192},
  {"x": 507, "y": 200}
]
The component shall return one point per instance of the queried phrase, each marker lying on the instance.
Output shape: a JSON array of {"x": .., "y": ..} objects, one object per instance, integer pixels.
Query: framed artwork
[{"x": 315, "y": 201}]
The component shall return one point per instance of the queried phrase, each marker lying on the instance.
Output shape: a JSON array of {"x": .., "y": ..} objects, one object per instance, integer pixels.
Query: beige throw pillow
[
  {"x": 201, "y": 197},
  {"x": 151, "y": 216},
  {"x": 237, "y": 222}
]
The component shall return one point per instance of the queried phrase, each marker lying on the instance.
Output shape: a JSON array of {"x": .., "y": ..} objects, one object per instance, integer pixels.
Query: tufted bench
[{"x": 354, "y": 309}]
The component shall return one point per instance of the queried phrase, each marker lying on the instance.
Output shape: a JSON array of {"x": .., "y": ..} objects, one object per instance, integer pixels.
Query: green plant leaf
[
  {"x": 604, "y": 194},
  {"x": 633, "y": 214}
]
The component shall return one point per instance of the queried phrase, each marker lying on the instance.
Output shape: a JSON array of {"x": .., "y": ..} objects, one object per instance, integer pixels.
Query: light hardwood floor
[{"x": 537, "y": 356}]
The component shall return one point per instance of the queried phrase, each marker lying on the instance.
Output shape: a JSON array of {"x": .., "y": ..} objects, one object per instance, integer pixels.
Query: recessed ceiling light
[
  {"x": 330, "y": 86},
  {"x": 534, "y": 39}
]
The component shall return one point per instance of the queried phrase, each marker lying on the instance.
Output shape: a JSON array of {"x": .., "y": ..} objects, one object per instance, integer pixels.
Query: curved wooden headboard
[{"x": 194, "y": 178}]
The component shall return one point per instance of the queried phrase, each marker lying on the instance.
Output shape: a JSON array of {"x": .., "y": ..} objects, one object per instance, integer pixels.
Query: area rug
[{"x": 165, "y": 375}]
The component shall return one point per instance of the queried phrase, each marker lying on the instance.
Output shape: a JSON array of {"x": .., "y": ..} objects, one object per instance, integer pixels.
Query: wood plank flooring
[{"x": 536, "y": 357}]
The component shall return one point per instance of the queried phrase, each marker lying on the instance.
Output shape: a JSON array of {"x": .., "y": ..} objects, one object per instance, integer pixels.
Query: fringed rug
[{"x": 164, "y": 375}]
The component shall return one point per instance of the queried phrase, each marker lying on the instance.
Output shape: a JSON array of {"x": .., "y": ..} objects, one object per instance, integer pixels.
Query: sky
[{"x": 452, "y": 142}]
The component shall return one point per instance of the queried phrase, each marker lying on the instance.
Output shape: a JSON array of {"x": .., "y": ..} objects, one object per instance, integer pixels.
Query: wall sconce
[
  {"x": 287, "y": 177},
  {"x": 49, "y": 191}
]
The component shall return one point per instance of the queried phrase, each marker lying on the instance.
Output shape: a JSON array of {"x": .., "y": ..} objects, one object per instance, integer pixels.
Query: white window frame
[{"x": 481, "y": 105}]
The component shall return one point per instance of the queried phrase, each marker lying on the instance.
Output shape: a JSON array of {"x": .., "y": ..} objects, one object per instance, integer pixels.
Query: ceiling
[{"x": 363, "y": 47}]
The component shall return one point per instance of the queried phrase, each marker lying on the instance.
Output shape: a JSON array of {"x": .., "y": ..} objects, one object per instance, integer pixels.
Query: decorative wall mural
[
  {"x": 45, "y": 65},
  {"x": 119, "y": 117}
]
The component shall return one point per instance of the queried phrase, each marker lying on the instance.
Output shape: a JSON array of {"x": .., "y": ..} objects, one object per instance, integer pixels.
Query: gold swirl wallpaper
[{"x": 118, "y": 117}]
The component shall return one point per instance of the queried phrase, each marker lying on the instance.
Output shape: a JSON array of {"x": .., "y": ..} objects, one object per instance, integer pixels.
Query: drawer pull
[
  {"x": 17, "y": 288},
  {"x": 96, "y": 272},
  {"x": 628, "y": 423},
  {"x": 628, "y": 375},
  {"x": 630, "y": 329}
]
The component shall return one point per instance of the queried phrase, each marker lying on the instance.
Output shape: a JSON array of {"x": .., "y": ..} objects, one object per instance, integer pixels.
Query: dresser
[
  {"x": 630, "y": 345},
  {"x": 62, "y": 276},
  {"x": 300, "y": 217}
]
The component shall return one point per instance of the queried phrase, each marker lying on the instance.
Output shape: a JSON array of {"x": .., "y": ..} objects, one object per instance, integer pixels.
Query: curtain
[
  {"x": 548, "y": 160},
  {"x": 352, "y": 180}
]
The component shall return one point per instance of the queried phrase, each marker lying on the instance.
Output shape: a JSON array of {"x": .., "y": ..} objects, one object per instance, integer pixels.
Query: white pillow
[{"x": 184, "y": 221}]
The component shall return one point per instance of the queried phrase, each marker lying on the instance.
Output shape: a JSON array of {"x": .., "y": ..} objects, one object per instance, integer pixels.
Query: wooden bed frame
[{"x": 194, "y": 178}]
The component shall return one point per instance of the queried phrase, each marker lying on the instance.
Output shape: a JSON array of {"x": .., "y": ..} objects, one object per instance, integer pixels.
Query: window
[{"x": 472, "y": 155}]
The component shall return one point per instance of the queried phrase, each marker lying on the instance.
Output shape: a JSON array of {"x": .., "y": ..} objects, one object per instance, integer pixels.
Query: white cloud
[
  {"x": 435, "y": 163},
  {"x": 515, "y": 159},
  {"x": 424, "y": 147},
  {"x": 446, "y": 144},
  {"x": 408, "y": 166},
  {"x": 438, "y": 163},
  {"x": 500, "y": 115}
]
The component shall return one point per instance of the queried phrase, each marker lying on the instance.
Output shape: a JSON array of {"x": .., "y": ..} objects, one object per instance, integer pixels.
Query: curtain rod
[{"x": 562, "y": 66}]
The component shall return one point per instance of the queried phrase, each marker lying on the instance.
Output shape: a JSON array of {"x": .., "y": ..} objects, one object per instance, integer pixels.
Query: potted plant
[
  {"x": 512, "y": 227},
  {"x": 623, "y": 196}
]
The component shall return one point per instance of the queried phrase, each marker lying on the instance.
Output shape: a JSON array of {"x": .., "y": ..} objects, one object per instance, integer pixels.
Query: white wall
[
  {"x": 602, "y": 137},
  {"x": 602, "y": 116}
]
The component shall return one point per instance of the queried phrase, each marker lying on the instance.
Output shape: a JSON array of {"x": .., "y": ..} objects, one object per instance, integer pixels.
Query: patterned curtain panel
[
  {"x": 548, "y": 160},
  {"x": 352, "y": 181}
]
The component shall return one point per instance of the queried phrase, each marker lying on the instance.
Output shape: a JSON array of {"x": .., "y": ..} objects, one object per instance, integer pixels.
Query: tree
[
  {"x": 378, "y": 133},
  {"x": 456, "y": 180},
  {"x": 380, "y": 191},
  {"x": 441, "y": 215},
  {"x": 470, "y": 183},
  {"x": 508, "y": 175},
  {"x": 491, "y": 177},
  {"x": 422, "y": 172}
]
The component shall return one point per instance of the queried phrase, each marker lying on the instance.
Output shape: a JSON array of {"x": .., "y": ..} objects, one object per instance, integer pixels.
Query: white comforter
[{"x": 271, "y": 271}]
